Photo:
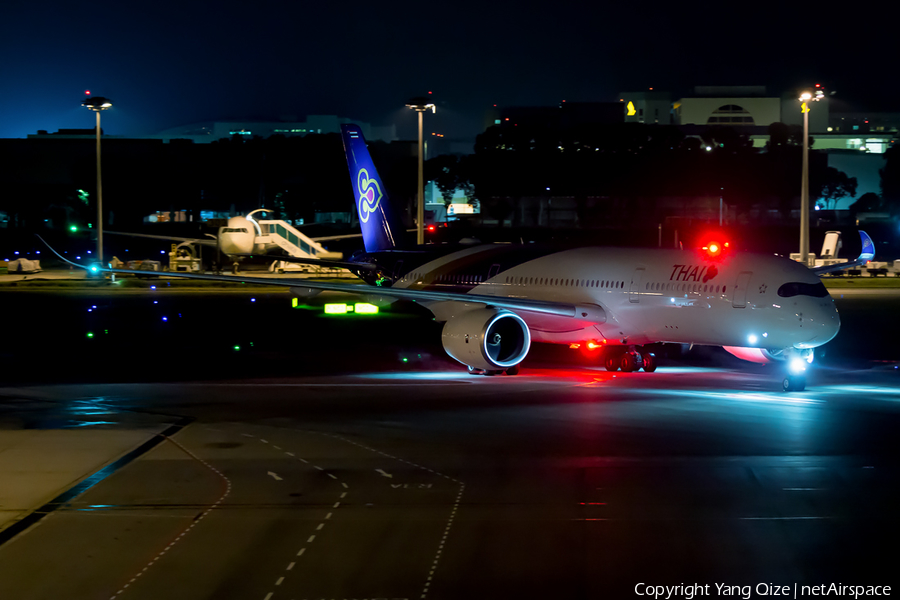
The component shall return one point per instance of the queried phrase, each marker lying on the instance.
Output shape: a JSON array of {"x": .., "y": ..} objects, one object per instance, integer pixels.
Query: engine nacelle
[{"x": 487, "y": 338}]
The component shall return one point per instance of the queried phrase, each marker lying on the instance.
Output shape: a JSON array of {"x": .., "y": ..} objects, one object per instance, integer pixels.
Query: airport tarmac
[{"x": 318, "y": 463}]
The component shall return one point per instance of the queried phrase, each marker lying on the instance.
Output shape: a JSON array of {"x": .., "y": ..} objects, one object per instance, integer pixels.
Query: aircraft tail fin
[
  {"x": 381, "y": 228},
  {"x": 868, "y": 247}
]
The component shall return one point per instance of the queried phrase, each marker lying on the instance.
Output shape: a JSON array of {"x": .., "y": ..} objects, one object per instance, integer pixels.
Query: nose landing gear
[
  {"x": 796, "y": 363},
  {"x": 793, "y": 383}
]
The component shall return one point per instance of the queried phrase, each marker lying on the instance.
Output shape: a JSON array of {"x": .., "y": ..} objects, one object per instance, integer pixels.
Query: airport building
[{"x": 210, "y": 131}]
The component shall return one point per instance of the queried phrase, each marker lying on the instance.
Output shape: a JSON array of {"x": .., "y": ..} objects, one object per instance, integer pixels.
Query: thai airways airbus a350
[{"x": 496, "y": 299}]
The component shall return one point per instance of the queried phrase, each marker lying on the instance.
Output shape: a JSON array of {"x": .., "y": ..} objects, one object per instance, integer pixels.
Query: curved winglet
[{"x": 95, "y": 268}]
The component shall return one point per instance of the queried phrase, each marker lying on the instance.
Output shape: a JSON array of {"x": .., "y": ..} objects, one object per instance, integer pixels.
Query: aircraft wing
[
  {"x": 202, "y": 241},
  {"x": 867, "y": 254},
  {"x": 588, "y": 312},
  {"x": 314, "y": 261}
]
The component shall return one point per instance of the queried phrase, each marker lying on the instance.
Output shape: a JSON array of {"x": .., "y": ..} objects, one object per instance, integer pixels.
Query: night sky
[{"x": 167, "y": 64}]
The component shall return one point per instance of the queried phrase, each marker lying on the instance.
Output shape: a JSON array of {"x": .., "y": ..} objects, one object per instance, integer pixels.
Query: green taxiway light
[
  {"x": 73, "y": 228},
  {"x": 364, "y": 308},
  {"x": 237, "y": 348},
  {"x": 337, "y": 309},
  {"x": 90, "y": 334},
  {"x": 405, "y": 360},
  {"x": 295, "y": 302}
]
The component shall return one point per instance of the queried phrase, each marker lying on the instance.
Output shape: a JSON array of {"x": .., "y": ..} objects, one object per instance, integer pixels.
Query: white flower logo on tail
[{"x": 369, "y": 195}]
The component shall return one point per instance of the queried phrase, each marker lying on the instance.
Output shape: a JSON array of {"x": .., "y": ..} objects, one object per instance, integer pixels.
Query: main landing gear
[
  {"x": 632, "y": 359},
  {"x": 513, "y": 370}
]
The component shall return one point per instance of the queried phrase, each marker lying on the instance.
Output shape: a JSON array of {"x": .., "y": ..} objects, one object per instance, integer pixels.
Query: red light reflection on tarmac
[{"x": 578, "y": 375}]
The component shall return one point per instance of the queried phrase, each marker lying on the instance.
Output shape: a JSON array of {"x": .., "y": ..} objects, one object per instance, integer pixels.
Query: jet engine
[{"x": 487, "y": 338}]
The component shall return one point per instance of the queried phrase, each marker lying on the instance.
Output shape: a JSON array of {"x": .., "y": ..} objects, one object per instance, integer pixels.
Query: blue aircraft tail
[
  {"x": 381, "y": 229},
  {"x": 868, "y": 247}
]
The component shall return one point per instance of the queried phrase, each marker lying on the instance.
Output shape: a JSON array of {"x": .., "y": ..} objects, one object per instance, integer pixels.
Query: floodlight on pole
[
  {"x": 420, "y": 105},
  {"x": 805, "y": 99},
  {"x": 98, "y": 104}
]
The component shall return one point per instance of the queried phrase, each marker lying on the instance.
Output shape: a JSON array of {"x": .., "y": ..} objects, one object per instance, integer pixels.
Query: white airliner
[
  {"x": 243, "y": 236},
  {"x": 495, "y": 300}
]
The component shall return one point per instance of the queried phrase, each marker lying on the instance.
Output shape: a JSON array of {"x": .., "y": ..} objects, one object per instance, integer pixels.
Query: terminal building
[{"x": 210, "y": 131}]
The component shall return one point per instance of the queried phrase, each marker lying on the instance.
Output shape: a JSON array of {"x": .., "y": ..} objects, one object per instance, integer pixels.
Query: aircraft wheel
[
  {"x": 611, "y": 363},
  {"x": 513, "y": 370},
  {"x": 474, "y": 371},
  {"x": 628, "y": 363},
  {"x": 793, "y": 383},
  {"x": 649, "y": 361}
]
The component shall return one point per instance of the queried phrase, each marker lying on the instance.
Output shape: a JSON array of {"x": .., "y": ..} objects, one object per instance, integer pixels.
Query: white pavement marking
[
  {"x": 193, "y": 523},
  {"x": 275, "y": 476},
  {"x": 269, "y": 595},
  {"x": 462, "y": 488},
  {"x": 328, "y": 516},
  {"x": 332, "y": 476},
  {"x": 302, "y": 550},
  {"x": 321, "y": 525},
  {"x": 280, "y": 579},
  {"x": 290, "y": 566},
  {"x": 311, "y": 538}
]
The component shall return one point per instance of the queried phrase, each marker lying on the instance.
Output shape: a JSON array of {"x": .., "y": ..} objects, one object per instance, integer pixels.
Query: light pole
[
  {"x": 98, "y": 104},
  {"x": 805, "y": 99},
  {"x": 420, "y": 105}
]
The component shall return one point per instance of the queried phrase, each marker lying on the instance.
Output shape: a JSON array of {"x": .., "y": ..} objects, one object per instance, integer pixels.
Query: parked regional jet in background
[{"x": 495, "y": 300}]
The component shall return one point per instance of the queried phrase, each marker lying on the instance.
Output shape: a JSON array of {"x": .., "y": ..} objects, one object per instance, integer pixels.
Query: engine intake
[{"x": 487, "y": 338}]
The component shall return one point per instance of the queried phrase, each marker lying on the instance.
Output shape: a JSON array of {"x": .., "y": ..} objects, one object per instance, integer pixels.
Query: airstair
[{"x": 294, "y": 243}]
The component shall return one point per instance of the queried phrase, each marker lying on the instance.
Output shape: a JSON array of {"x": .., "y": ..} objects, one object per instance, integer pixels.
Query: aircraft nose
[{"x": 824, "y": 323}]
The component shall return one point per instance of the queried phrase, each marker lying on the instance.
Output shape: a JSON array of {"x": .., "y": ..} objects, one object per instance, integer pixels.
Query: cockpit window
[
  {"x": 234, "y": 230},
  {"x": 816, "y": 290}
]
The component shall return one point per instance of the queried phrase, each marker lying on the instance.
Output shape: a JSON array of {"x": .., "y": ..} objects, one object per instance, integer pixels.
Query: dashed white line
[
  {"x": 191, "y": 526},
  {"x": 290, "y": 566},
  {"x": 332, "y": 476},
  {"x": 311, "y": 538},
  {"x": 328, "y": 516},
  {"x": 302, "y": 550},
  {"x": 321, "y": 525},
  {"x": 280, "y": 579}
]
